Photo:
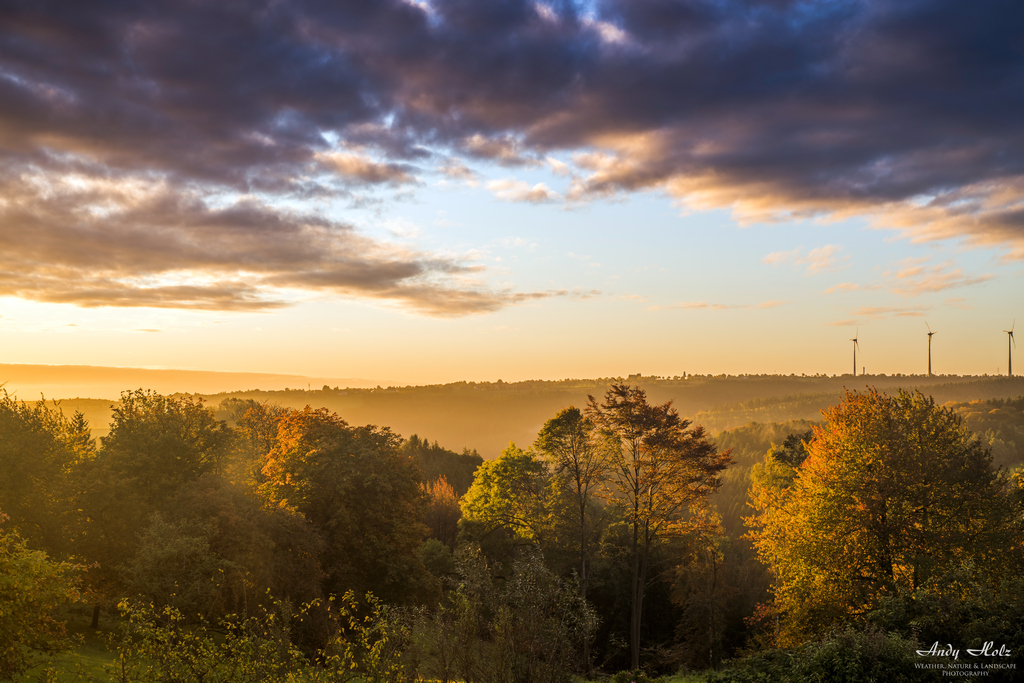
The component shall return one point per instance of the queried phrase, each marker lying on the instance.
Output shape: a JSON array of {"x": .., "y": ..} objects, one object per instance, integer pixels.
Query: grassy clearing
[{"x": 88, "y": 661}]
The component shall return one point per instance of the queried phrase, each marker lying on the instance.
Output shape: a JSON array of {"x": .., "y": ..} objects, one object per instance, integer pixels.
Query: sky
[{"x": 426, "y": 191}]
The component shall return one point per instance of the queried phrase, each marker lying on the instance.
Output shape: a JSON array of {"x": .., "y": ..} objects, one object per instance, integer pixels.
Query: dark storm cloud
[{"x": 907, "y": 111}]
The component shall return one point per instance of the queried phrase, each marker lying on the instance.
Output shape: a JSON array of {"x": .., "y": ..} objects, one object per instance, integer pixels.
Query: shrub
[{"x": 32, "y": 588}]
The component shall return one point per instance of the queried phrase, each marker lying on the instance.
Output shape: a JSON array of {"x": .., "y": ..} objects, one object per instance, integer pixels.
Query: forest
[{"x": 251, "y": 540}]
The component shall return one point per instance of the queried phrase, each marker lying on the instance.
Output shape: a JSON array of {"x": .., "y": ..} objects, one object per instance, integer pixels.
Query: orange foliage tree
[
  {"x": 361, "y": 494},
  {"x": 894, "y": 491}
]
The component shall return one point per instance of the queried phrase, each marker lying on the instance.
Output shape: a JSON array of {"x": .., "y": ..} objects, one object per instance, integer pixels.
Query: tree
[
  {"x": 443, "y": 512},
  {"x": 662, "y": 469},
  {"x": 569, "y": 441},
  {"x": 163, "y": 442},
  {"x": 526, "y": 627},
  {"x": 266, "y": 550},
  {"x": 363, "y": 497},
  {"x": 435, "y": 461},
  {"x": 32, "y": 587},
  {"x": 894, "y": 491},
  {"x": 157, "y": 446},
  {"x": 257, "y": 422},
  {"x": 38, "y": 449},
  {"x": 508, "y": 493}
]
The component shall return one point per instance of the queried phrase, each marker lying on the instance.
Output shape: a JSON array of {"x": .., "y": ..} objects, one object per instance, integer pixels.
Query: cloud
[
  {"x": 779, "y": 257},
  {"x": 958, "y": 302},
  {"x": 818, "y": 260},
  {"x": 456, "y": 170},
  {"x": 506, "y": 150},
  {"x": 362, "y": 169},
  {"x": 907, "y": 113},
  {"x": 914, "y": 277},
  {"x": 876, "y": 312},
  {"x": 559, "y": 168},
  {"x": 123, "y": 242},
  {"x": 511, "y": 190},
  {"x": 843, "y": 287}
]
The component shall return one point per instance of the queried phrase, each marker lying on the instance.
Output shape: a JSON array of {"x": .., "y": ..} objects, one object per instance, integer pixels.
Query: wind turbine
[
  {"x": 1009, "y": 351},
  {"x": 930, "y": 333},
  {"x": 855, "y": 345}
]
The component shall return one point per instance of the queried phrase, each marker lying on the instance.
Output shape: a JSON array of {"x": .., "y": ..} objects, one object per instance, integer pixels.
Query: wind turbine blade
[{"x": 927, "y": 325}]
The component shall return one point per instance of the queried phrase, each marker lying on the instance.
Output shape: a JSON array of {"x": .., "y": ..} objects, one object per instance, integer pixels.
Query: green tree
[
  {"x": 161, "y": 443},
  {"x": 662, "y": 470},
  {"x": 264, "y": 550},
  {"x": 894, "y": 491},
  {"x": 509, "y": 493},
  {"x": 363, "y": 497},
  {"x": 32, "y": 588},
  {"x": 569, "y": 441},
  {"x": 526, "y": 627},
  {"x": 174, "y": 566},
  {"x": 256, "y": 423},
  {"x": 157, "y": 446},
  {"x": 39, "y": 448}
]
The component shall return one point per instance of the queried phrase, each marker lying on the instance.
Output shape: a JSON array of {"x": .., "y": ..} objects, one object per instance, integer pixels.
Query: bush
[
  {"x": 638, "y": 676},
  {"x": 32, "y": 588},
  {"x": 158, "y": 645},
  {"x": 847, "y": 656}
]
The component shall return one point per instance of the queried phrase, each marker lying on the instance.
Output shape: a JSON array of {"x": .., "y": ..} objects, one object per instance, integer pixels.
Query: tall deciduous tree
[
  {"x": 570, "y": 443},
  {"x": 662, "y": 469},
  {"x": 443, "y": 512},
  {"x": 894, "y": 491}
]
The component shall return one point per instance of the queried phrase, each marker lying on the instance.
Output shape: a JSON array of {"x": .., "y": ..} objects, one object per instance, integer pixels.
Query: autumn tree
[
  {"x": 363, "y": 497},
  {"x": 662, "y": 469},
  {"x": 443, "y": 513},
  {"x": 256, "y": 423},
  {"x": 894, "y": 490},
  {"x": 570, "y": 443},
  {"x": 436, "y": 461}
]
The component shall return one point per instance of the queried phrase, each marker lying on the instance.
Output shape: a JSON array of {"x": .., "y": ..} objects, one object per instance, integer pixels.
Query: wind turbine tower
[
  {"x": 1009, "y": 351},
  {"x": 930, "y": 333},
  {"x": 854, "y": 340}
]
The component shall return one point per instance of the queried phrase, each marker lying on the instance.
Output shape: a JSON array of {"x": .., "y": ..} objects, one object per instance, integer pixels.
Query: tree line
[{"x": 345, "y": 548}]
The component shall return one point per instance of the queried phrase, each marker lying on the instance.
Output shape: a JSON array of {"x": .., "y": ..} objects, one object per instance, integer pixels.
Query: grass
[{"x": 86, "y": 662}]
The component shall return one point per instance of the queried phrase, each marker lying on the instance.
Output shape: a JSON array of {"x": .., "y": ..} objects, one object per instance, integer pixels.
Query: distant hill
[
  {"x": 89, "y": 381},
  {"x": 486, "y": 416}
]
